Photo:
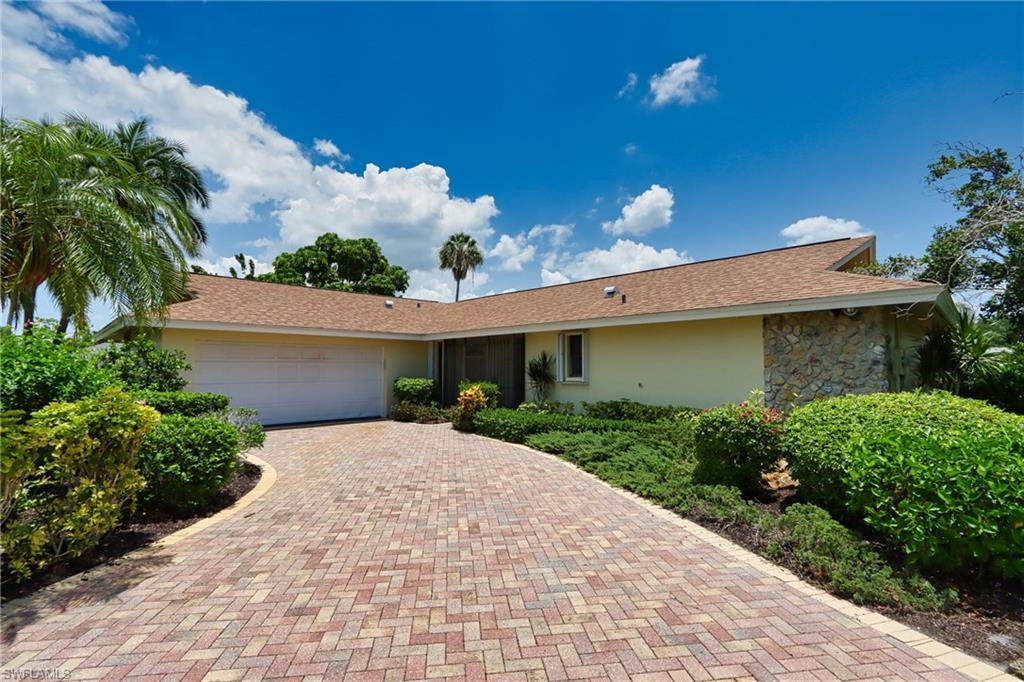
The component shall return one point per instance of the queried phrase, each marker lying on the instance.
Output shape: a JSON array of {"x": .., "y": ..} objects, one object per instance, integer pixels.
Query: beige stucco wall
[
  {"x": 400, "y": 358},
  {"x": 700, "y": 363}
]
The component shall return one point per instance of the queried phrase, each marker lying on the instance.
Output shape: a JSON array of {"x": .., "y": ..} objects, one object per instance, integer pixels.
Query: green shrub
[
  {"x": 821, "y": 437},
  {"x": 184, "y": 402},
  {"x": 43, "y": 367},
  {"x": 141, "y": 364},
  {"x": 514, "y": 426},
  {"x": 186, "y": 460},
  {"x": 547, "y": 407},
  {"x": 251, "y": 435},
  {"x": 83, "y": 456},
  {"x": 853, "y": 569},
  {"x": 1005, "y": 389},
  {"x": 489, "y": 388},
  {"x": 628, "y": 410},
  {"x": 18, "y": 461},
  {"x": 414, "y": 390},
  {"x": 421, "y": 414},
  {"x": 735, "y": 444},
  {"x": 949, "y": 500}
]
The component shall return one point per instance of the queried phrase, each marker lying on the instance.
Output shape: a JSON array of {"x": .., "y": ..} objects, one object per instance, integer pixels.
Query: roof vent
[
  {"x": 610, "y": 291},
  {"x": 389, "y": 304}
]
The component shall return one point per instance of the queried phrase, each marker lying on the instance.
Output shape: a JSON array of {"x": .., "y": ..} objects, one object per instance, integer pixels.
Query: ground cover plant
[{"x": 659, "y": 461}]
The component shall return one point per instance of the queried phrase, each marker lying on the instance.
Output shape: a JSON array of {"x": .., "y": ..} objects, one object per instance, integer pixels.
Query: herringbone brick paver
[{"x": 393, "y": 551}]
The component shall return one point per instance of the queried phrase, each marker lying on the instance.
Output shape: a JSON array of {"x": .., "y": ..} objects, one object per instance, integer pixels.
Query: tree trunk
[
  {"x": 457, "y": 283},
  {"x": 28, "y": 309},
  {"x": 65, "y": 320}
]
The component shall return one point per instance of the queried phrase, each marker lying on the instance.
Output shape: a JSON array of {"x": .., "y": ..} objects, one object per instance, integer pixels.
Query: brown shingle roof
[{"x": 783, "y": 275}]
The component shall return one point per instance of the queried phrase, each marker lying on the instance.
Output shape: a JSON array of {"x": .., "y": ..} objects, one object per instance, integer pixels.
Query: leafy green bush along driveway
[{"x": 402, "y": 551}]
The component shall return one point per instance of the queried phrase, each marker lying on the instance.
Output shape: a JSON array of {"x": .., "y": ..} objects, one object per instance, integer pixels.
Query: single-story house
[{"x": 793, "y": 322}]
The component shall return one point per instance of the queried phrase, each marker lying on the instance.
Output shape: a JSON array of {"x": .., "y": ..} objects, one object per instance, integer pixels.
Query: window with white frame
[{"x": 572, "y": 357}]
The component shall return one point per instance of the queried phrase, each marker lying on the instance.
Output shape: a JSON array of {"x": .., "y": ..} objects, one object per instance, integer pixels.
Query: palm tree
[
  {"x": 959, "y": 356},
  {"x": 460, "y": 254},
  {"x": 92, "y": 212}
]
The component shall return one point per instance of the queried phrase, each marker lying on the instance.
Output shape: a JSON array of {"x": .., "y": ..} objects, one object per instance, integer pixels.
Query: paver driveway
[{"x": 391, "y": 551}]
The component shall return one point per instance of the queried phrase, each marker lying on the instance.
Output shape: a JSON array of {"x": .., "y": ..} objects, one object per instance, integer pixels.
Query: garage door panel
[{"x": 293, "y": 382}]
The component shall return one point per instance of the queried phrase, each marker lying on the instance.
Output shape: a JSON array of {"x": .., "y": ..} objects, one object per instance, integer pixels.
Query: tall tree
[
  {"x": 356, "y": 265},
  {"x": 94, "y": 212},
  {"x": 984, "y": 249},
  {"x": 460, "y": 254}
]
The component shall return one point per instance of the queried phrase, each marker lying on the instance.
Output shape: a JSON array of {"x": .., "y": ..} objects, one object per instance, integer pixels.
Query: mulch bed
[
  {"x": 988, "y": 621},
  {"x": 135, "y": 532}
]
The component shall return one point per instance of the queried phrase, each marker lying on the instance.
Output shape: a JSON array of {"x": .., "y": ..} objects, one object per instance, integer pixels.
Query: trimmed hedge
[
  {"x": 629, "y": 410},
  {"x": 950, "y": 501},
  {"x": 940, "y": 476},
  {"x": 186, "y": 460},
  {"x": 414, "y": 390},
  {"x": 821, "y": 436},
  {"x": 183, "y": 402},
  {"x": 515, "y": 425},
  {"x": 421, "y": 414}
]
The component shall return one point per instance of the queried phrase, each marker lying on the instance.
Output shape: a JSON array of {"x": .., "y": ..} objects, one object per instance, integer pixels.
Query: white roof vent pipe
[
  {"x": 610, "y": 291},
  {"x": 389, "y": 304}
]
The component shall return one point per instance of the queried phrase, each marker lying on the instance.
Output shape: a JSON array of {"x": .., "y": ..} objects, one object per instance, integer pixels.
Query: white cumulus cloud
[
  {"x": 556, "y": 233},
  {"x": 648, "y": 211},
  {"x": 682, "y": 83},
  {"x": 329, "y": 149},
  {"x": 253, "y": 165},
  {"x": 624, "y": 256},
  {"x": 513, "y": 252},
  {"x": 821, "y": 228}
]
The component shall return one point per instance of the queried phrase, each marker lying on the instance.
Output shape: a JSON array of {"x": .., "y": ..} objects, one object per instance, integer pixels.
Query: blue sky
[{"x": 573, "y": 140}]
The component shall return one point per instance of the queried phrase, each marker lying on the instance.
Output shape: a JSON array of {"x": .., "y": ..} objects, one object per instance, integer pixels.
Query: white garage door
[{"x": 291, "y": 383}]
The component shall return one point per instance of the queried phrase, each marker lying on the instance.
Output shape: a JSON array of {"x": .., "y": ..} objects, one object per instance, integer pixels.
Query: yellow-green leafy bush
[{"x": 83, "y": 475}]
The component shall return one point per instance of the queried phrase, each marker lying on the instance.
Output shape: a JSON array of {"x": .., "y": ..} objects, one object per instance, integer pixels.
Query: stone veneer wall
[{"x": 815, "y": 354}]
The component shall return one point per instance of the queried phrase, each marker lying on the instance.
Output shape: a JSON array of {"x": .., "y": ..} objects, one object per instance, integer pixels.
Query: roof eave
[{"x": 901, "y": 296}]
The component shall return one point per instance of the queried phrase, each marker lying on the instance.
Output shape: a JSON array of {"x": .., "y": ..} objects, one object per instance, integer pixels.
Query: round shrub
[
  {"x": 821, "y": 437},
  {"x": 183, "y": 402},
  {"x": 44, "y": 366},
  {"x": 186, "y": 460},
  {"x": 414, "y": 390},
  {"x": 735, "y": 444}
]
